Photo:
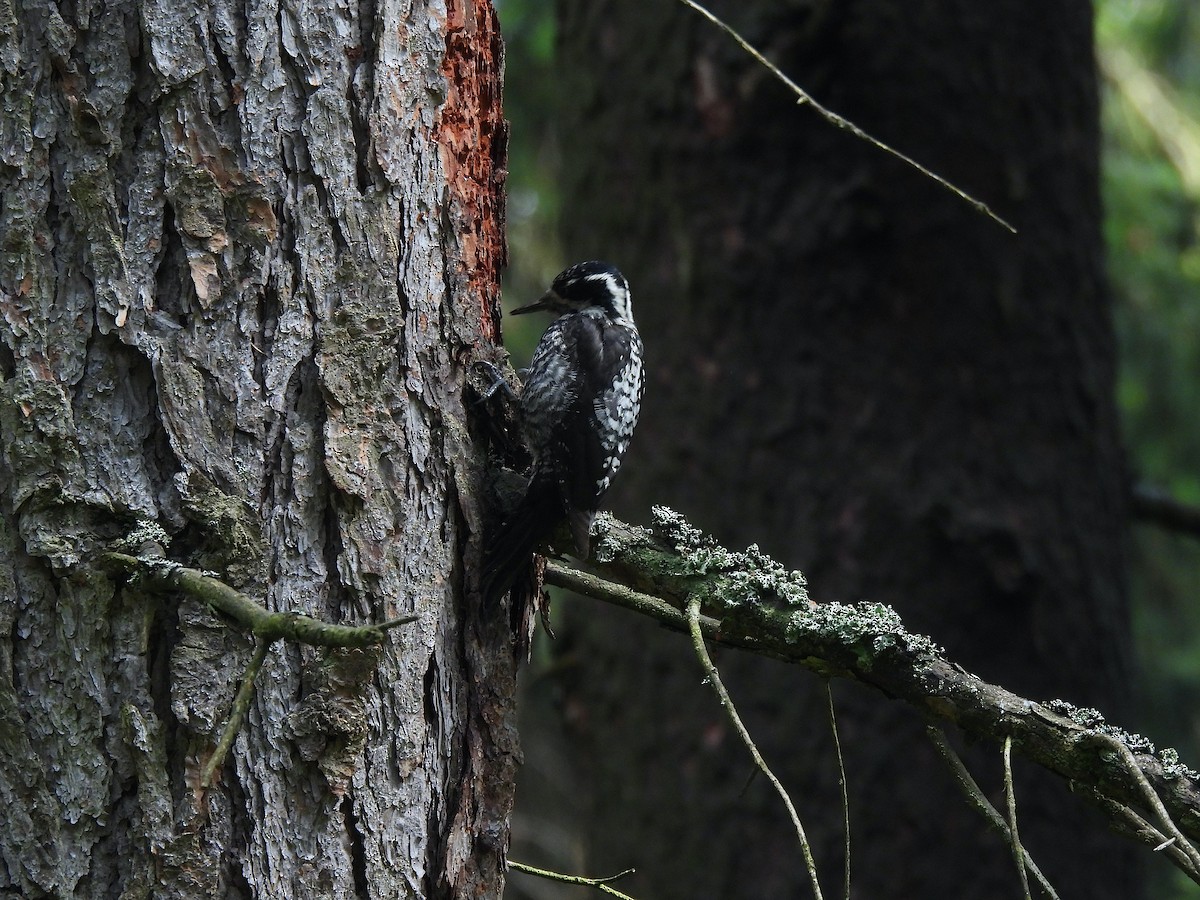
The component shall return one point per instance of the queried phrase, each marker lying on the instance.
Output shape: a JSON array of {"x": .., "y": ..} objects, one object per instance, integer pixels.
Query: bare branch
[
  {"x": 1154, "y": 802},
  {"x": 841, "y": 122},
  {"x": 837, "y": 747},
  {"x": 1014, "y": 836},
  {"x": 980, "y": 803},
  {"x": 600, "y": 884},
  {"x": 1125, "y": 821},
  {"x": 714, "y": 679}
]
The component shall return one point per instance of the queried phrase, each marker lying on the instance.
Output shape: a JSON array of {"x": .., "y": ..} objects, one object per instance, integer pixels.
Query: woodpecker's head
[{"x": 583, "y": 286}]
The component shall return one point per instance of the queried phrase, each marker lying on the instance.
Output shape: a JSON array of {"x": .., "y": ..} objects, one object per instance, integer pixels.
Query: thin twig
[
  {"x": 564, "y": 576},
  {"x": 1156, "y": 506},
  {"x": 842, "y": 122},
  {"x": 589, "y": 585},
  {"x": 1154, "y": 801},
  {"x": 237, "y": 715},
  {"x": 980, "y": 803},
  {"x": 714, "y": 679},
  {"x": 1010, "y": 795},
  {"x": 837, "y": 747},
  {"x": 1128, "y": 822},
  {"x": 600, "y": 884}
]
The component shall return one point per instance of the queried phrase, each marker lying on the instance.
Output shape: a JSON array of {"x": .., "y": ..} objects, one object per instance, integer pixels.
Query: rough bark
[
  {"x": 882, "y": 387},
  {"x": 249, "y": 251}
]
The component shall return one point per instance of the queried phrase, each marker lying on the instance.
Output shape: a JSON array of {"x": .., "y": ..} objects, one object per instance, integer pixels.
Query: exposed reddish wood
[{"x": 473, "y": 137}]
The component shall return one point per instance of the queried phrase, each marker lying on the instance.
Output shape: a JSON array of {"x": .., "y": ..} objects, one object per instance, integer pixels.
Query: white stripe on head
[{"x": 618, "y": 289}]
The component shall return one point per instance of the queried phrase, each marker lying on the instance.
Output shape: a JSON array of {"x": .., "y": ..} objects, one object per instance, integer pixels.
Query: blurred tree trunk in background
[
  {"x": 879, "y": 385},
  {"x": 248, "y": 252}
]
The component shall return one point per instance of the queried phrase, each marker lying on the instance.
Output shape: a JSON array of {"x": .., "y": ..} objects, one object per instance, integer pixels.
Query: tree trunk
[
  {"x": 854, "y": 368},
  {"x": 248, "y": 253}
]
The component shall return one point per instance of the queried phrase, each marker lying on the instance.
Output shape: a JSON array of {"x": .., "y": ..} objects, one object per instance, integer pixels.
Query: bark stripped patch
[{"x": 473, "y": 138}]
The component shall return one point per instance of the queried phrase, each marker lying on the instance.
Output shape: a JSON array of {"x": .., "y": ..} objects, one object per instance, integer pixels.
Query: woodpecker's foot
[{"x": 498, "y": 382}]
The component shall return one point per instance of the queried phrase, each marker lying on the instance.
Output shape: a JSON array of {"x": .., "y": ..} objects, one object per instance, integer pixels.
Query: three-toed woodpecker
[{"x": 579, "y": 405}]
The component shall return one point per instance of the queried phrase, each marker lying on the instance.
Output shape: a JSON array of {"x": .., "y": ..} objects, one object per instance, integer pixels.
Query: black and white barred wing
[
  {"x": 583, "y": 390},
  {"x": 551, "y": 387},
  {"x": 617, "y": 402}
]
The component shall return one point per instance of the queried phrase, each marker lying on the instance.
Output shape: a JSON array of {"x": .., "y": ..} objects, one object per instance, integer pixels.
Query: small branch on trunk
[
  {"x": 237, "y": 715},
  {"x": 266, "y": 625}
]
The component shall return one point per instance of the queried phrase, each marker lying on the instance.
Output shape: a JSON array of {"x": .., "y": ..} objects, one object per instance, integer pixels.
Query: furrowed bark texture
[
  {"x": 248, "y": 252},
  {"x": 884, "y": 388}
]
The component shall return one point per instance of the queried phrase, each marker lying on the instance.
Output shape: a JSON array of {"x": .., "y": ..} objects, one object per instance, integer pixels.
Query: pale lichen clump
[
  {"x": 860, "y": 623},
  {"x": 145, "y": 535},
  {"x": 753, "y": 577},
  {"x": 1173, "y": 767},
  {"x": 1093, "y": 720},
  {"x": 748, "y": 576}
]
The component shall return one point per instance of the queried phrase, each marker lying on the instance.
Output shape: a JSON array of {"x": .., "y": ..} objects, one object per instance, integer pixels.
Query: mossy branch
[
  {"x": 750, "y": 601},
  {"x": 252, "y": 616},
  {"x": 237, "y": 715}
]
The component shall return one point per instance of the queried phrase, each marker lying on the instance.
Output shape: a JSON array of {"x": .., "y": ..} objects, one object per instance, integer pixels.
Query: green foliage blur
[
  {"x": 1149, "y": 57},
  {"x": 1148, "y": 52}
]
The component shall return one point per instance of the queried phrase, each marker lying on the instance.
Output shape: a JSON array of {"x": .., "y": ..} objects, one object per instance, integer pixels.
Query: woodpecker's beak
[{"x": 548, "y": 302}]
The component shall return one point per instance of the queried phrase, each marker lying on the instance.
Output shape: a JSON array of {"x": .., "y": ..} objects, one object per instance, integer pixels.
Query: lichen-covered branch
[{"x": 751, "y": 602}]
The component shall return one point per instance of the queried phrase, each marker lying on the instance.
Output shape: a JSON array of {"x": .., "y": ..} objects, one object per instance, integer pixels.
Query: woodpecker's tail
[{"x": 509, "y": 552}]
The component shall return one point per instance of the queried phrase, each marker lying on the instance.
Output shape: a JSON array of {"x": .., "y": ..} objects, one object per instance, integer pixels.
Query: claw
[{"x": 499, "y": 382}]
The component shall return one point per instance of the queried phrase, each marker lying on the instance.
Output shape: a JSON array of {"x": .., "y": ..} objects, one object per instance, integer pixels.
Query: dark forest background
[{"x": 643, "y": 135}]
